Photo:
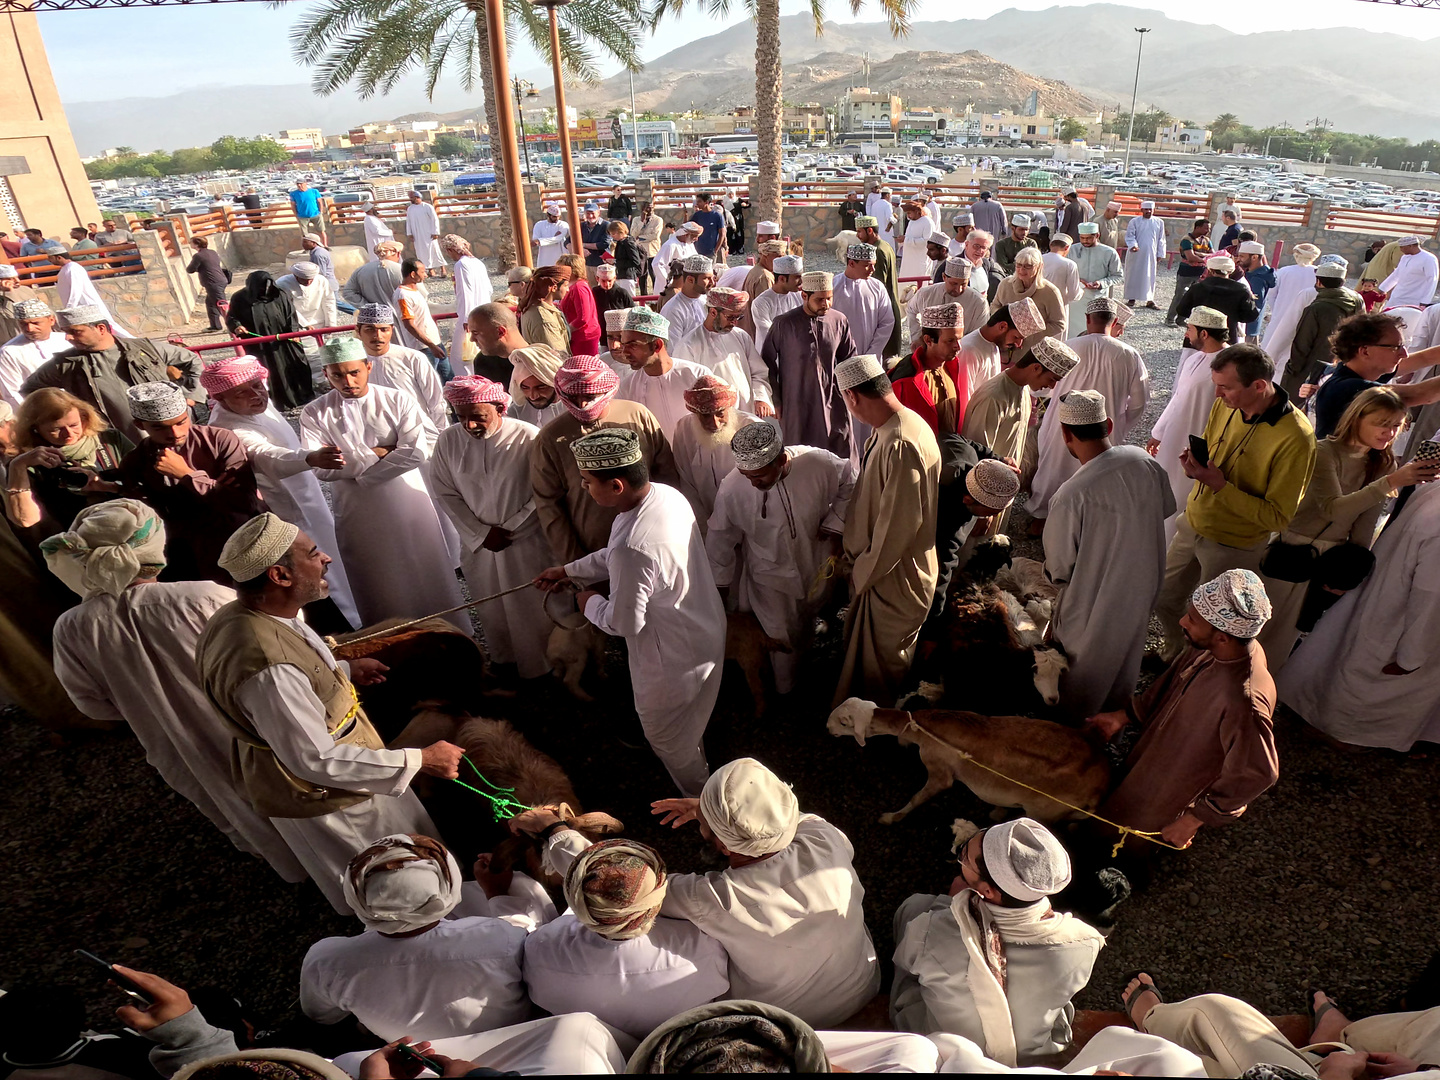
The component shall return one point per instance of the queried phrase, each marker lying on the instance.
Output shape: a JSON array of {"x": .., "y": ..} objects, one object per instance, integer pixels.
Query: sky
[{"x": 176, "y": 47}]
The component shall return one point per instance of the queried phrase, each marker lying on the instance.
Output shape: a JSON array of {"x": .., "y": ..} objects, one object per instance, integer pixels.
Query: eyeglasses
[{"x": 1397, "y": 348}]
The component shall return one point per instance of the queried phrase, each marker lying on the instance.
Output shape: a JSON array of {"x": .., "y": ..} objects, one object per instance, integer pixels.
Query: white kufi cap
[{"x": 1024, "y": 860}]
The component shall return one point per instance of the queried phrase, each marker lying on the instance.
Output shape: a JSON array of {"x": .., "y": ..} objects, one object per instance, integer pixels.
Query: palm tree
[
  {"x": 765, "y": 193},
  {"x": 372, "y": 44},
  {"x": 1223, "y": 126}
]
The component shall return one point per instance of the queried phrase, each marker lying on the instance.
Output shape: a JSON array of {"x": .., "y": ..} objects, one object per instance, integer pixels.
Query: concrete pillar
[
  {"x": 1104, "y": 193},
  {"x": 1315, "y": 232},
  {"x": 644, "y": 191},
  {"x": 1219, "y": 201}
]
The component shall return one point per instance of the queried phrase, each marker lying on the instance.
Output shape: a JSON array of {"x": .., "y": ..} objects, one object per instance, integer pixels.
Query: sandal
[
  {"x": 1313, "y": 1013},
  {"x": 1150, "y": 986}
]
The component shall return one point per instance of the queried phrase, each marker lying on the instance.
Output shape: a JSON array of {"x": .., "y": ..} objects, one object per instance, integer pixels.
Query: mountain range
[{"x": 1076, "y": 57}]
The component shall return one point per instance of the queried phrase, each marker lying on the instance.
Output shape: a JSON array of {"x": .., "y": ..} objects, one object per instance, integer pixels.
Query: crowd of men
[{"x": 758, "y": 445}]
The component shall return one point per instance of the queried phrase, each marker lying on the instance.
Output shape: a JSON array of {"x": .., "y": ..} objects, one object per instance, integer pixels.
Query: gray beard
[{"x": 710, "y": 440}]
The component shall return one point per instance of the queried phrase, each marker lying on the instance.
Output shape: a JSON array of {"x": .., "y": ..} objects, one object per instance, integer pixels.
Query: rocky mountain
[{"x": 928, "y": 77}]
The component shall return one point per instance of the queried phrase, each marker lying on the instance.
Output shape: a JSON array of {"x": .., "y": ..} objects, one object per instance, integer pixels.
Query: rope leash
[
  {"x": 439, "y": 614},
  {"x": 1125, "y": 830},
  {"x": 501, "y": 805}
]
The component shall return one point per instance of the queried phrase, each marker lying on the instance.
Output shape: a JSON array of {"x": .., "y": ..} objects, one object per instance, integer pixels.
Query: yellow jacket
[{"x": 1267, "y": 464}]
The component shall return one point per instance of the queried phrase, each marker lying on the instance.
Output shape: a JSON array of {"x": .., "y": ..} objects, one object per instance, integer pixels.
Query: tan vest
[{"x": 238, "y": 643}]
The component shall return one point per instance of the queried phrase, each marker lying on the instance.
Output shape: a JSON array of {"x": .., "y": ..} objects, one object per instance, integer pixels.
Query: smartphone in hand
[
  {"x": 1199, "y": 450},
  {"x": 406, "y": 1050},
  {"x": 127, "y": 986},
  {"x": 1428, "y": 452}
]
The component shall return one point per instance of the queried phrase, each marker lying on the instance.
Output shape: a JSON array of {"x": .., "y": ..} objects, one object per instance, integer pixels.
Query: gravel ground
[{"x": 1315, "y": 887}]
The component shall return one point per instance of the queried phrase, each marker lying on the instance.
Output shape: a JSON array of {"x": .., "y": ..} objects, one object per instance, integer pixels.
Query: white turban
[
  {"x": 401, "y": 883},
  {"x": 106, "y": 547},
  {"x": 1024, "y": 860},
  {"x": 537, "y": 361},
  {"x": 749, "y": 809}
]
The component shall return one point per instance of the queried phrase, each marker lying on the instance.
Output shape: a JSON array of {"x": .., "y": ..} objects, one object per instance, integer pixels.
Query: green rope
[{"x": 501, "y": 805}]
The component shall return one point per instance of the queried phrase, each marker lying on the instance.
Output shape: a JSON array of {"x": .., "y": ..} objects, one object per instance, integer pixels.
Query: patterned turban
[
  {"x": 586, "y": 376},
  {"x": 957, "y": 267},
  {"x": 1123, "y": 313},
  {"x": 1207, "y": 318},
  {"x": 788, "y": 264},
  {"x": 860, "y": 252},
  {"x": 375, "y": 315},
  {"x": 642, "y": 320},
  {"x": 608, "y": 448},
  {"x": 156, "y": 401},
  {"x": 942, "y": 317},
  {"x": 774, "y": 247},
  {"x": 710, "y": 395},
  {"x": 1234, "y": 603},
  {"x": 107, "y": 547},
  {"x": 1055, "y": 356},
  {"x": 224, "y": 375},
  {"x": 615, "y": 319},
  {"x": 697, "y": 264},
  {"x": 1081, "y": 407},
  {"x": 865, "y": 221},
  {"x": 616, "y": 887},
  {"x": 727, "y": 299},
  {"x": 401, "y": 883},
  {"x": 1025, "y": 316},
  {"x": 32, "y": 309},
  {"x": 757, "y": 445},
  {"x": 455, "y": 245},
  {"x": 474, "y": 389},
  {"x": 1101, "y": 305},
  {"x": 813, "y": 281},
  {"x": 858, "y": 369},
  {"x": 992, "y": 483}
]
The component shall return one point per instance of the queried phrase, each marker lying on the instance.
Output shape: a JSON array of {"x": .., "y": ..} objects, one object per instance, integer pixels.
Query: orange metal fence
[{"x": 102, "y": 262}]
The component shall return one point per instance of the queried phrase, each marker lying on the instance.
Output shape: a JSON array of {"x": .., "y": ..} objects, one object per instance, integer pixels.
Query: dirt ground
[{"x": 1323, "y": 883}]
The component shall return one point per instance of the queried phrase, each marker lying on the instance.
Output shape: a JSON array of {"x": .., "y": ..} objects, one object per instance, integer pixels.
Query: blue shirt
[
  {"x": 1343, "y": 387},
  {"x": 597, "y": 234},
  {"x": 306, "y": 203},
  {"x": 1262, "y": 280},
  {"x": 714, "y": 225}
]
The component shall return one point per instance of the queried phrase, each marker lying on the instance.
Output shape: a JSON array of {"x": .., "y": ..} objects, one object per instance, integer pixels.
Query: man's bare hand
[
  {"x": 552, "y": 579},
  {"x": 169, "y": 463},
  {"x": 764, "y": 409},
  {"x": 1209, "y": 475},
  {"x": 327, "y": 457},
  {"x": 1108, "y": 724},
  {"x": 1152, "y": 447},
  {"x": 367, "y": 671},
  {"x": 388, "y": 1063},
  {"x": 493, "y": 883},
  {"x": 169, "y": 1001},
  {"x": 442, "y": 759},
  {"x": 676, "y": 812},
  {"x": 534, "y": 822},
  {"x": 1182, "y": 830}
]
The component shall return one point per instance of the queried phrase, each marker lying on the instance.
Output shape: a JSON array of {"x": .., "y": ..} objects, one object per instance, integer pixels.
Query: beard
[{"x": 711, "y": 440}]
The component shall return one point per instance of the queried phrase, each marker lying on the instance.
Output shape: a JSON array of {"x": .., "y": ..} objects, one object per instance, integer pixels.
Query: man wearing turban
[
  {"x": 414, "y": 971},
  {"x": 472, "y": 288},
  {"x": 777, "y": 518},
  {"x": 722, "y": 346},
  {"x": 614, "y": 938},
  {"x": 992, "y": 961},
  {"x": 480, "y": 474},
  {"x": 702, "y": 442},
  {"x": 127, "y": 654}
]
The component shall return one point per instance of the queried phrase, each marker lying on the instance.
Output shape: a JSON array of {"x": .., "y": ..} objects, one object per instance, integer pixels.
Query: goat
[
  {"x": 749, "y": 646},
  {"x": 1026, "y": 578},
  {"x": 1056, "y": 759},
  {"x": 507, "y": 760},
  {"x": 570, "y": 651},
  {"x": 842, "y": 240}
]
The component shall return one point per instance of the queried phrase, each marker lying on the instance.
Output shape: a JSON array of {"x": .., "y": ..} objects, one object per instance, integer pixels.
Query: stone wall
[{"x": 151, "y": 303}]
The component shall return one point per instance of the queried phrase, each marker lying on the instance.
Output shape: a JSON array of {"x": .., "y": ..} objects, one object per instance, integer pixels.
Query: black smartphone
[
  {"x": 1199, "y": 450},
  {"x": 128, "y": 986},
  {"x": 406, "y": 1050}
]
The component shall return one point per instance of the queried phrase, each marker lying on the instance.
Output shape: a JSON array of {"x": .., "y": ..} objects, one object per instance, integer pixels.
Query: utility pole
[
  {"x": 1134, "y": 94},
  {"x": 530, "y": 91},
  {"x": 634, "y": 119}
]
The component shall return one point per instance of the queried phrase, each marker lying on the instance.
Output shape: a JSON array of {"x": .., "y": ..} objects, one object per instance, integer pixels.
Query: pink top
[{"x": 579, "y": 310}]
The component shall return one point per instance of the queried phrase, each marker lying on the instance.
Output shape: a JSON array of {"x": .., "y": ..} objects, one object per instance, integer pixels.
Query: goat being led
[{"x": 1058, "y": 760}]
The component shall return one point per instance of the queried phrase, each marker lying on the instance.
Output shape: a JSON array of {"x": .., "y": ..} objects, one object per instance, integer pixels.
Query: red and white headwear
[
  {"x": 586, "y": 376},
  {"x": 710, "y": 395},
  {"x": 475, "y": 389},
  {"x": 727, "y": 299},
  {"x": 225, "y": 375}
]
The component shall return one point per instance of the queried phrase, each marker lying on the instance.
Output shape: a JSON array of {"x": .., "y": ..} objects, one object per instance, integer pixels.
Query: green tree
[
  {"x": 228, "y": 152},
  {"x": 448, "y": 145},
  {"x": 372, "y": 44},
  {"x": 765, "y": 193},
  {"x": 1224, "y": 126},
  {"x": 192, "y": 160},
  {"x": 1070, "y": 128},
  {"x": 1147, "y": 125}
]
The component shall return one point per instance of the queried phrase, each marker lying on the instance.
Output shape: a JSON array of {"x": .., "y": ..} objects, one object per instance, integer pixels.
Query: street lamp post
[
  {"x": 562, "y": 121},
  {"x": 529, "y": 88},
  {"x": 1134, "y": 95},
  {"x": 634, "y": 118},
  {"x": 500, "y": 73}
]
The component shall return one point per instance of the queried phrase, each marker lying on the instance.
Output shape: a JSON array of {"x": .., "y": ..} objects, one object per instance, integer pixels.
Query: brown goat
[
  {"x": 749, "y": 646},
  {"x": 1053, "y": 758},
  {"x": 507, "y": 760}
]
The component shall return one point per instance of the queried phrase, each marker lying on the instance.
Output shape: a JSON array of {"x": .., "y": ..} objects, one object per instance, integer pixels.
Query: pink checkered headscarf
[
  {"x": 225, "y": 375},
  {"x": 583, "y": 376},
  {"x": 474, "y": 389}
]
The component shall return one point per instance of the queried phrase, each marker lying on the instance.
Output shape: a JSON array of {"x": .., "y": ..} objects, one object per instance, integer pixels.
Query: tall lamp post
[
  {"x": 1134, "y": 95},
  {"x": 530, "y": 91},
  {"x": 562, "y": 121},
  {"x": 500, "y": 73}
]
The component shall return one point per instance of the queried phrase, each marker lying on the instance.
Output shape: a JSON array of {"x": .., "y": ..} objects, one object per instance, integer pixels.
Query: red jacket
[
  {"x": 913, "y": 390},
  {"x": 578, "y": 308}
]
